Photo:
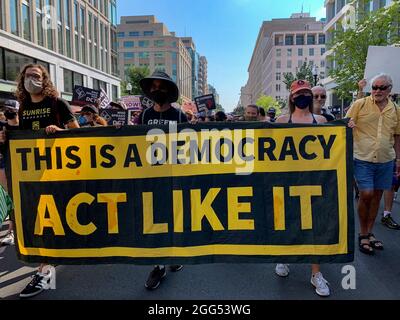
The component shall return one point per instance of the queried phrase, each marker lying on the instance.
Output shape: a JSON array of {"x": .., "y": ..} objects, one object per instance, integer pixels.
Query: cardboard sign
[
  {"x": 383, "y": 60},
  {"x": 115, "y": 117},
  {"x": 205, "y": 103},
  {"x": 83, "y": 95}
]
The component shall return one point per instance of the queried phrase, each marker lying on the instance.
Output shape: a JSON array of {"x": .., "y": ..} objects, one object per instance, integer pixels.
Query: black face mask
[
  {"x": 303, "y": 101},
  {"x": 10, "y": 115},
  {"x": 159, "y": 97}
]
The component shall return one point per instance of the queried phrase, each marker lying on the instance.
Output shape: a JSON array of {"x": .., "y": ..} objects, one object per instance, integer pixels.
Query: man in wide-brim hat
[{"x": 160, "y": 88}]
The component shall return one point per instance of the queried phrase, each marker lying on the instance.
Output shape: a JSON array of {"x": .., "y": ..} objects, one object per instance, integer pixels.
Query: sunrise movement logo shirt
[{"x": 50, "y": 111}]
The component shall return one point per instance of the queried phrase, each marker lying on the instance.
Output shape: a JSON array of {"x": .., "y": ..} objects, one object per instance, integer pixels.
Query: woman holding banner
[
  {"x": 301, "y": 111},
  {"x": 40, "y": 108}
]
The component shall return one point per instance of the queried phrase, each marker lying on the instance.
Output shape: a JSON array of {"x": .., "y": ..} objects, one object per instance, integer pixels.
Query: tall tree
[
  {"x": 303, "y": 73},
  {"x": 350, "y": 45},
  {"x": 133, "y": 76},
  {"x": 267, "y": 102}
]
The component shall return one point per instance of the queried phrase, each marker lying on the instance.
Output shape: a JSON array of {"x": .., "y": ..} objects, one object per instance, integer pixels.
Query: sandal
[
  {"x": 365, "y": 247},
  {"x": 376, "y": 244}
]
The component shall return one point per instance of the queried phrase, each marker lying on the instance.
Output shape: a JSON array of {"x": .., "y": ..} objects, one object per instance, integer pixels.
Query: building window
[
  {"x": 77, "y": 57},
  {"x": 114, "y": 95},
  {"x": 134, "y": 34},
  {"x": 159, "y": 43},
  {"x": 13, "y": 62},
  {"x": 144, "y": 43},
  {"x": 278, "y": 64},
  {"x": 129, "y": 55},
  {"x": 300, "y": 39},
  {"x": 322, "y": 63},
  {"x": 1, "y": 17},
  {"x": 299, "y": 63},
  {"x": 278, "y": 76},
  {"x": 39, "y": 28},
  {"x": 311, "y": 39},
  {"x": 148, "y": 33},
  {"x": 49, "y": 32},
  {"x": 289, "y": 64},
  {"x": 98, "y": 85},
  {"x": 323, "y": 51},
  {"x": 129, "y": 44},
  {"x": 121, "y": 34},
  {"x": 60, "y": 39},
  {"x": 26, "y": 21},
  {"x": 278, "y": 52},
  {"x": 300, "y": 52},
  {"x": 321, "y": 39},
  {"x": 311, "y": 63},
  {"x": 159, "y": 54},
  {"x": 72, "y": 79},
  {"x": 144, "y": 55},
  {"x": 289, "y": 40},
  {"x": 68, "y": 42},
  {"x": 289, "y": 52},
  {"x": 311, "y": 51},
  {"x": 83, "y": 21},
  {"x": 279, "y": 40},
  {"x": 83, "y": 50},
  {"x": 160, "y": 67},
  {"x": 113, "y": 12},
  {"x": 278, "y": 87}
]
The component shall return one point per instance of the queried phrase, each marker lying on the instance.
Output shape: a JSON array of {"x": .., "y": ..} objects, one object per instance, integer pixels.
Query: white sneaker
[
  {"x": 282, "y": 270},
  {"x": 8, "y": 240},
  {"x": 320, "y": 284}
]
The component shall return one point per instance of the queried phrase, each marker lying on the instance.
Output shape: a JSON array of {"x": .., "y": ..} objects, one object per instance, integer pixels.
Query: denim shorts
[{"x": 373, "y": 176}]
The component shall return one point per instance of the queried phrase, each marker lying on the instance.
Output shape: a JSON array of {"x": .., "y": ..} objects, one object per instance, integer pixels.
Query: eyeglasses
[
  {"x": 34, "y": 76},
  {"x": 382, "y": 88},
  {"x": 322, "y": 96}
]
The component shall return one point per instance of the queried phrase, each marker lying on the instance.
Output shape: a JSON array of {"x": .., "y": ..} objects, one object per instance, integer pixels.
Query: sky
[{"x": 225, "y": 31}]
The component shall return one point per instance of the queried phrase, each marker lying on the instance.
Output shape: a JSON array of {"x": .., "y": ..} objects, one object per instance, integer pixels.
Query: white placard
[{"x": 383, "y": 60}]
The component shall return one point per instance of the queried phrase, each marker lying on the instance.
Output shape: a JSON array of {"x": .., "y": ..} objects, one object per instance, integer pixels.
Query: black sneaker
[
  {"x": 155, "y": 276},
  {"x": 38, "y": 283},
  {"x": 176, "y": 267},
  {"x": 390, "y": 223}
]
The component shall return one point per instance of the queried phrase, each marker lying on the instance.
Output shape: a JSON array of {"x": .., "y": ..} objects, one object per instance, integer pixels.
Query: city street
[{"x": 377, "y": 277}]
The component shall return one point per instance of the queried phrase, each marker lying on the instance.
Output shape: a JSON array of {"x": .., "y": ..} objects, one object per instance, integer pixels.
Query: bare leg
[
  {"x": 388, "y": 196},
  {"x": 364, "y": 204},
  {"x": 373, "y": 209},
  {"x": 315, "y": 268}
]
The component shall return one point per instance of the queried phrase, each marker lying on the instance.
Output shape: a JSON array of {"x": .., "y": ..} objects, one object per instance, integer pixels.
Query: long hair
[
  {"x": 23, "y": 96},
  {"x": 292, "y": 107},
  {"x": 99, "y": 120}
]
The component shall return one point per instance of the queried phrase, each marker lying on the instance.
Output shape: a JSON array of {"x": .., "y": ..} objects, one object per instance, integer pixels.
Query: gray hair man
[
  {"x": 319, "y": 98},
  {"x": 376, "y": 126}
]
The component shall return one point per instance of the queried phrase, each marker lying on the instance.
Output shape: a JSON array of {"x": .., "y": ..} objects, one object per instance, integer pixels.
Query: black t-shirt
[
  {"x": 50, "y": 111},
  {"x": 172, "y": 115}
]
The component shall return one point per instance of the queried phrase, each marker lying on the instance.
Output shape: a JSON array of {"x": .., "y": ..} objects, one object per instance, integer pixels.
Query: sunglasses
[
  {"x": 382, "y": 88},
  {"x": 322, "y": 96}
]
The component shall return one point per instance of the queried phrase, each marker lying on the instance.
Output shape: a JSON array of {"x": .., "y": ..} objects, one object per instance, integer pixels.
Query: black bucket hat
[{"x": 173, "y": 91}]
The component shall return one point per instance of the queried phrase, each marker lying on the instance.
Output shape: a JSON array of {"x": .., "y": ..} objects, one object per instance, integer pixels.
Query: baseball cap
[
  {"x": 90, "y": 108},
  {"x": 271, "y": 110},
  {"x": 12, "y": 104},
  {"x": 299, "y": 85}
]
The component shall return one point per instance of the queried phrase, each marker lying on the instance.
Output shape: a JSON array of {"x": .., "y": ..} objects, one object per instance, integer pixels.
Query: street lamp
[
  {"x": 129, "y": 88},
  {"x": 315, "y": 74}
]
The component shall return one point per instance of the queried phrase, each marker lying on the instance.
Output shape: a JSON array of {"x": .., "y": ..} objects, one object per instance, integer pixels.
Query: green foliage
[
  {"x": 239, "y": 110},
  {"x": 350, "y": 47},
  {"x": 303, "y": 73},
  {"x": 219, "y": 108},
  {"x": 267, "y": 102},
  {"x": 133, "y": 76}
]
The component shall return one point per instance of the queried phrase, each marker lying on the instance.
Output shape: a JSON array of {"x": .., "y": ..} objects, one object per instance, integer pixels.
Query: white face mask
[{"x": 33, "y": 86}]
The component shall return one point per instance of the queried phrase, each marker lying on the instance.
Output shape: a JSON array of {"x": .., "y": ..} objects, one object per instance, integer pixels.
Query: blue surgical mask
[{"x": 82, "y": 120}]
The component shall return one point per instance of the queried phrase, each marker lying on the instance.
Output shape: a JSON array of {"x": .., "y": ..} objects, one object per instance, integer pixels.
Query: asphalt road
[{"x": 377, "y": 277}]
